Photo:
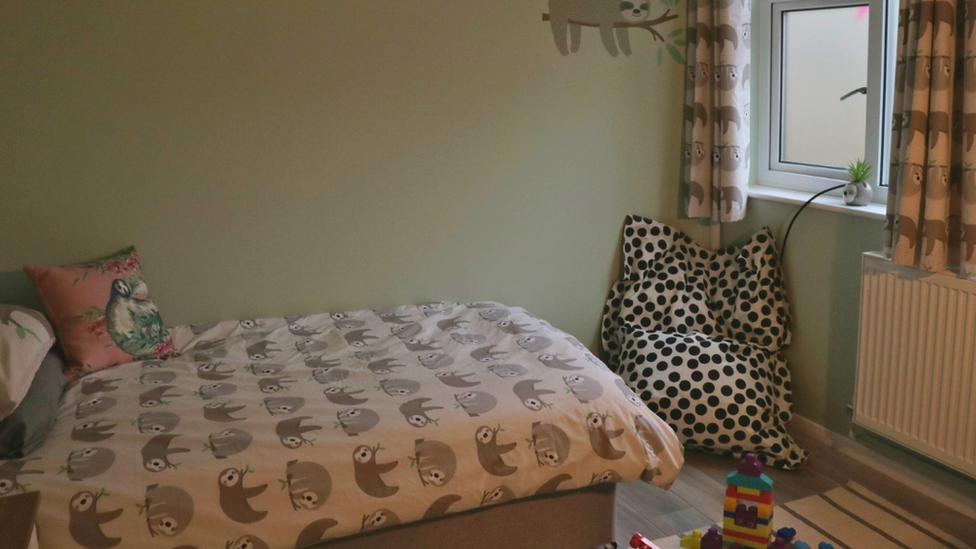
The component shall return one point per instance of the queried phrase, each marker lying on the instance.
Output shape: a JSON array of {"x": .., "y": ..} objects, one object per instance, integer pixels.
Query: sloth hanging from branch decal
[{"x": 614, "y": 19}]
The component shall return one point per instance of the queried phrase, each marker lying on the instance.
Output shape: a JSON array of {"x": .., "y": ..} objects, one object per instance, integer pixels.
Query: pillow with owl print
[
  {"x": 673, "y": 285},
  {"x": 718, "y": 394},
  {"x": 102, "y": 312}
]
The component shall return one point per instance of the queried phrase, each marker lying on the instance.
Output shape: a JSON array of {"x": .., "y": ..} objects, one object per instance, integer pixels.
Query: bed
[{"x": 420, "y": 422}]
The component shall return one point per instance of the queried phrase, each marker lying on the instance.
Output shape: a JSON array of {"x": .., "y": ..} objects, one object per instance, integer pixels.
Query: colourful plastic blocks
[{"x": 748, "y": 506}]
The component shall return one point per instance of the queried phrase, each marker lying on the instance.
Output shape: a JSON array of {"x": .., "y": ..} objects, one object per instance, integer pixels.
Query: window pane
[{"x": 825, "y": 56}]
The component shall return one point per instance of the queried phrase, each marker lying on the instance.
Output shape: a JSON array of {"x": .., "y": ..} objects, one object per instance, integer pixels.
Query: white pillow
[{"x": 25, "y": 338}]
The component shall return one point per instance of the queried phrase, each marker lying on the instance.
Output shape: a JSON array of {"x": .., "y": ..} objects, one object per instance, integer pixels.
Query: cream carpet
[{"x": 853, "y": 517}]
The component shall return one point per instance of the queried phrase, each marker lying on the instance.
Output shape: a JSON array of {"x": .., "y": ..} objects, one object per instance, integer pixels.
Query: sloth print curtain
[
  {"x": 931, "y": 218},
  {"x": 716, "y": 135}
]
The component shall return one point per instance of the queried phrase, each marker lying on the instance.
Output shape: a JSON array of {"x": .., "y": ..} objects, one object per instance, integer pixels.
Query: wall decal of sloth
[
  {"x": 291, "y": 432},
  {"x": 229, "y": 442},
  {"x": 614, "y": 19},
  {"x": 490, "y": 452},
  {"x": 435, "y": 461},
  {"x": 234, "y": 496},
  {"x": 156, "y": 452},
  {"x": 308, "y": 484},
  {"x": 601, "y": 436},
  {"x": 368, "y": 472},
  {"x": 92, "y": 431},
  {"x": 85, "y": 522},
  {"x": 11, "y": 470},
  {"x": 168, "y": 509},
  {"x": 415, "y": 412}
]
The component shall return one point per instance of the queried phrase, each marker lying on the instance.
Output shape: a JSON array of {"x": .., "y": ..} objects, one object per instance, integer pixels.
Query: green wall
[
  {"x": 280, "y": 157},
  {"x": 823, "y": 279},
  {"x": 296, "y": 156}
]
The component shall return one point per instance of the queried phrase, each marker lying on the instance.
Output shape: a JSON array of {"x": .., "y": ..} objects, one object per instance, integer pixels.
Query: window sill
[{"x": 824, "y": 202}]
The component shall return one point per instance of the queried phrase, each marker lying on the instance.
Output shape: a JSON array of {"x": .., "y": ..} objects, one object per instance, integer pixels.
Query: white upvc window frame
[{"x": 883, "y": 30}]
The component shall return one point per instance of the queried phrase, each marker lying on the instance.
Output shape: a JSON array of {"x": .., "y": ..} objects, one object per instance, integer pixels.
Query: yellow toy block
[
  {"x": 692, "y": 540},
  {"x": 751, "y": 544},
  {"x": 762, "y": 530},
  {"x": 749, "y": 491}
]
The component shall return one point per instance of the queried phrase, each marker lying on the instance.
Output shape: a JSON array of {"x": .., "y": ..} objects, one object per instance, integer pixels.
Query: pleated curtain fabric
[
  {"x": 931, "y": 217},
  {"x": 717, "y": 91}
]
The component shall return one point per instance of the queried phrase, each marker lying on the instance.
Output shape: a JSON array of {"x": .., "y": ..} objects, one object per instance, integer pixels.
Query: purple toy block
[
  {"x": 779, "y": 543},
  {"x": 712, "y": 539},
  {"x": 750, "y": 465}
]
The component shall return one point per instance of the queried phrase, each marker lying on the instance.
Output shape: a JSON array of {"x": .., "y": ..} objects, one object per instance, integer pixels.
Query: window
[{"x": 826, "y": 72}]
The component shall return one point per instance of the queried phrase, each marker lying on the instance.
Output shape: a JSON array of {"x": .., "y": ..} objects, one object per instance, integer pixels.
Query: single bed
[{"x": 446, "y": 421}]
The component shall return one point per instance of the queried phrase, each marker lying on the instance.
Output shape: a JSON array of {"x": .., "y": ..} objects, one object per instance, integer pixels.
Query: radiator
[{"x": 916, "y": 363}]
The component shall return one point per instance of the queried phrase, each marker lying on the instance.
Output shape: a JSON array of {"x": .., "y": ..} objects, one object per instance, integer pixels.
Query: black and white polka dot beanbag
[
  {"x": 718, "y": 394},
  {"x": 728, "y": 306}
]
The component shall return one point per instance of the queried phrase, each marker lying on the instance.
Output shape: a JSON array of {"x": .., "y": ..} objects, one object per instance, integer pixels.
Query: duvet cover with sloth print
[{"x": 282, "y": 432}]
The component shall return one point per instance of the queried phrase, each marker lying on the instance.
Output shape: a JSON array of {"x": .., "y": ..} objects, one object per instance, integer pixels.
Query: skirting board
[{"x": 816, "y": 437}]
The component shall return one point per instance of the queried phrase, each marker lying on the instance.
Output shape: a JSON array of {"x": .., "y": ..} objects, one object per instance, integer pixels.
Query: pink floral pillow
[{"x": 102, "y": 312}]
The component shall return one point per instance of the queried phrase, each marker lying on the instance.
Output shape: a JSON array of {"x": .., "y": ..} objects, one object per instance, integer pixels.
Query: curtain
[
  {"x": 715, "y": 171},
  {"x": 931, "y": 217}
]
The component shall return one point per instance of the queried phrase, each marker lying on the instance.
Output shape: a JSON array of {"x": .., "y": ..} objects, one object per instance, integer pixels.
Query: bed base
[{"x": 575, "y": 519}]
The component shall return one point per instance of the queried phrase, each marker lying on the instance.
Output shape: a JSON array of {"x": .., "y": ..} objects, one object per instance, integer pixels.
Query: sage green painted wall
[
  {"x": 296, "y": 156},
  {"x": 823, "y": 279}
]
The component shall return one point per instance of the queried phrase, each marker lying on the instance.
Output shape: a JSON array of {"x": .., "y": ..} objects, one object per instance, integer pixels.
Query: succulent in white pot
[{"x": 858, "y": 192}]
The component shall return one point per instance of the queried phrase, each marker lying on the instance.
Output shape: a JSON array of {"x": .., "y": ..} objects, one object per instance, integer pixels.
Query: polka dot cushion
[
  {"x": 718, "y": 394},
  {"x": 697, "y": 335},
  {"x": 671, "y": 284}
]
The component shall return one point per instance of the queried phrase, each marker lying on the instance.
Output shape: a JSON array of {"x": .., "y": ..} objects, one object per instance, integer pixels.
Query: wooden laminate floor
[{"x": 695, "y": 500}]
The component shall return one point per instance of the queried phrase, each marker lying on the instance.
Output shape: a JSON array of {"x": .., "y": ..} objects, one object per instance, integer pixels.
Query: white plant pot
[{"x": 858, "y": 193}]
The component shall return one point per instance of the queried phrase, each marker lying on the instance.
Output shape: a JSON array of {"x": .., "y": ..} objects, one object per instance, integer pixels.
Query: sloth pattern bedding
[{"x": 283, "y": 432}]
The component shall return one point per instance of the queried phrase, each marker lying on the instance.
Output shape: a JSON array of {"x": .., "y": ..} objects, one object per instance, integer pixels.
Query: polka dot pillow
[
  {"x": 718, "y": 394},
  {"x": 671, "y": 284}
]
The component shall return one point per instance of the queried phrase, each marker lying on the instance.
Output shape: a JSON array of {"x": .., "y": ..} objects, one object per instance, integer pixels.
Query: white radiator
[{"x": 916, "y": 363}]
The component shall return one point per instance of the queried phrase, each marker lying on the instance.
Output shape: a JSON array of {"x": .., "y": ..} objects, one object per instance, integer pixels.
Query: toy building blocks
[
  {"x": 748, "y": 506},
  {"x": 712, "y": 539},
  {"x": 692, "y": 540},
  {"x": 640, "y": 542}
]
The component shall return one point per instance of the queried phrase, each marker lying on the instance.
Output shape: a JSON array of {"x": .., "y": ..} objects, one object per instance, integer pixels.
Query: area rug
[{"x": 853, "y": 517}]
